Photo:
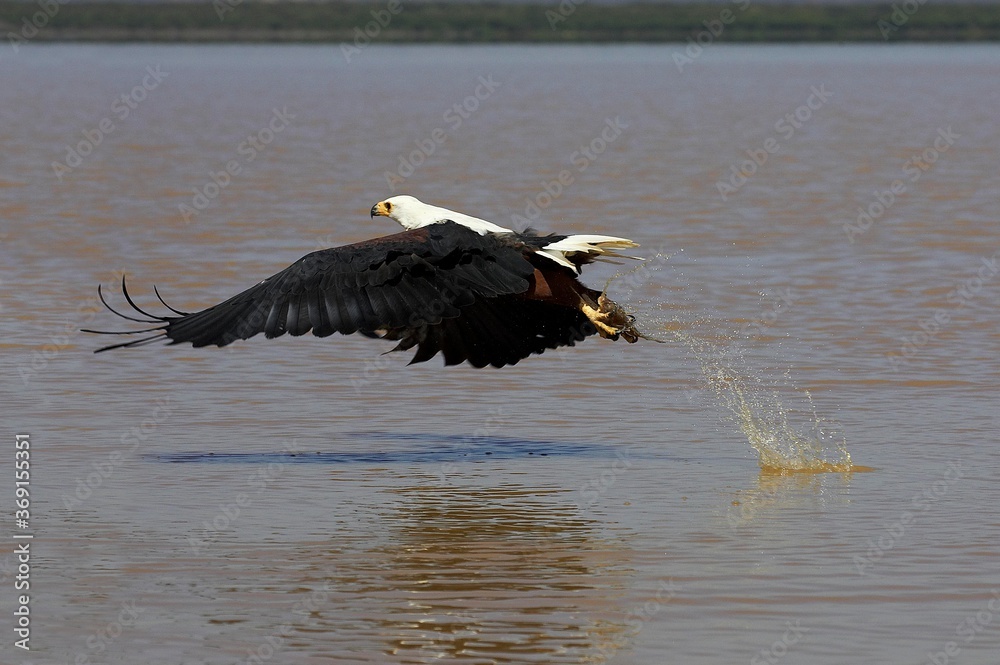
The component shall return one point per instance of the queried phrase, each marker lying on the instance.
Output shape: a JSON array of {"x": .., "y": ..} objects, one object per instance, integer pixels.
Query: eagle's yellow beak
[{"x": 380, "y": 209}]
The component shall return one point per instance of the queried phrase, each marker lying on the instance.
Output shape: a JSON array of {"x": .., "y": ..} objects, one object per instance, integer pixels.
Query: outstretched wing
[{"x": 410, "y": 281}]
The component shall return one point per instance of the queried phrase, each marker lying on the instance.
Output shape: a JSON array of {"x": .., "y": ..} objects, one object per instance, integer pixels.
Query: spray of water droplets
[{"x": 778, "y": 419}]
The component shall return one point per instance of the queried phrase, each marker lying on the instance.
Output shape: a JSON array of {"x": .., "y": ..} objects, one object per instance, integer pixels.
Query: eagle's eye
[{"x": 388, "y": 206}]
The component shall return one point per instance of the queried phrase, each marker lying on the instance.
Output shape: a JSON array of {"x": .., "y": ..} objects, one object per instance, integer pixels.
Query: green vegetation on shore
[{"x": 239, "y": 21}]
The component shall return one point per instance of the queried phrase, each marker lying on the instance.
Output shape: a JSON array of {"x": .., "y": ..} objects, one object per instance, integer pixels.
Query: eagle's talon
[{"x": 610, "y": 319}]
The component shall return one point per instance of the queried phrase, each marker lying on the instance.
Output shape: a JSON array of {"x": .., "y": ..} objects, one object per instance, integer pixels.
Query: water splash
[
  {"x": 784, "y": 429},
  {"x": 778, "y": 419}
]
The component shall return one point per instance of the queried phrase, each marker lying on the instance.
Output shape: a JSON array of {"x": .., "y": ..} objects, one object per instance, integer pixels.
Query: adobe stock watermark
[
  {"x": 932, "y": 325},
  {"x": 223, "y": 7},
  {"x": 713, "y": 29},
  {"x": 454, "y": 116},
  {"x": 30, "y": 27},
  {"x": 901, "y": 13},
  {"x": 98, "y": 642},
  {"x": 580, "y": 159},
  {"x": 592, "y": 490},
  {"x": 307, "y": 608},
  {"x": 919, "y": 504},
  {"x": 60, "y": 338},
  {"x": 913, "y": 169},
  {"x": 248, "y": 149},
  {"x": 228, "y": 513},
  {"x": 373, "y": 367},
  {"x": 636, "y": 619},
  {"x": 630, "y": 281},
  {"x": 786, "y": 127},
  {"x": 121, "y": 108},
  {"x": 968, "y": 630},
  {"x": 772, "y": 654},
  {"x": 103, "y": 469},
  {"x": 364, "y": 36},
  {"x": 565, "y": 9}
]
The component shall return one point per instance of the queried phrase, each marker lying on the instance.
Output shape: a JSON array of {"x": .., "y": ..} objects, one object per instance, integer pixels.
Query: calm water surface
[{"x": 311, "y": 501}]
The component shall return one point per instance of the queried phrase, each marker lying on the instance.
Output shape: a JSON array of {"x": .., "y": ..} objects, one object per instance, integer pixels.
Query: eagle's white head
[{"x": 411, "y": 213}]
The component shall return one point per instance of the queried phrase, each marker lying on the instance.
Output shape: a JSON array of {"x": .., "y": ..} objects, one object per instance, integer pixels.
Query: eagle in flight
[{"x": 450, "y": 283}]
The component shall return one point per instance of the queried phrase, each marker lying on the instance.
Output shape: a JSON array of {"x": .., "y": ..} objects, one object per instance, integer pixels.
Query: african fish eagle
[{"x": 449, "y": 282}]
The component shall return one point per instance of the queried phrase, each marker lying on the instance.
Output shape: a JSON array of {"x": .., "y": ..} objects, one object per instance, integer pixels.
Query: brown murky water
[{"x": 311, "y": 501}]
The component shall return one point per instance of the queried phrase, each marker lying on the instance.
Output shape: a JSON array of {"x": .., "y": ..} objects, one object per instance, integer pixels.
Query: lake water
[{"x": 312, "y": 501}]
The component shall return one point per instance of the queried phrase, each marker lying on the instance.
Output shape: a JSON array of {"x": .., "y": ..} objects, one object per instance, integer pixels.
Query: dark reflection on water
[
  {"x": 506, "y": 573},
  {"x": 433, "y": 448}
]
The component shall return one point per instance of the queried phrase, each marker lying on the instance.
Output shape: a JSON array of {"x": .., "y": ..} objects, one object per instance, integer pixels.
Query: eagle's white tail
[{"x": 594, "y": 246}]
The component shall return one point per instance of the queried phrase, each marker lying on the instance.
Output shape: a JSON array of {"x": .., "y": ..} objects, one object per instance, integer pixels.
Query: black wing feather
[
  {"x": 442, "y": 288},
  {"x": 498, "y": 331},
  {"x": 356, "y": 287}
]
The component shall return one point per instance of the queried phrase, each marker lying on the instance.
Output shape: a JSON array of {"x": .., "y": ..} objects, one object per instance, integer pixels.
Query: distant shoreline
[{"x": 571, "y": 21}]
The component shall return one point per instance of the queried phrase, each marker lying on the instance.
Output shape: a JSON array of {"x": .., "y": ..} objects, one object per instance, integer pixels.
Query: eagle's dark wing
[
  {"x": 436, "y": 287},
  {"x": 496, "y": 331}
]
